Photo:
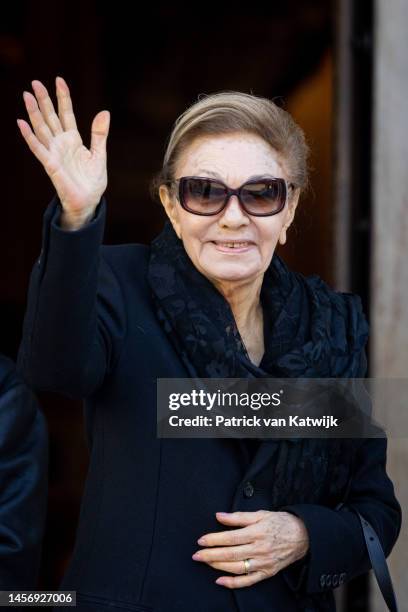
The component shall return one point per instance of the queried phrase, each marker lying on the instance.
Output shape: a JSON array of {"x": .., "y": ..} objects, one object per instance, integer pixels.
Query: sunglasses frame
[{"x": 229, "y": 193}]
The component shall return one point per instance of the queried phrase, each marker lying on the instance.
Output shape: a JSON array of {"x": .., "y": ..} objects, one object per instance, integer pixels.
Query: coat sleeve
[
  {"x": 23, "y": 481},
  {"x": 337, "y": 550},
  {"x": 74, "y": 323}
]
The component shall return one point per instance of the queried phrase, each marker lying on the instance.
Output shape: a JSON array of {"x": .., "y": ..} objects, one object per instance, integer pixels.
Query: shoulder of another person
[{"x": 7, "y": 370}]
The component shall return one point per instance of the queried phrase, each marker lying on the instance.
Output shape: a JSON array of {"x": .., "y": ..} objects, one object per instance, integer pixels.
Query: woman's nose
[{"x": 233, "y": 214}]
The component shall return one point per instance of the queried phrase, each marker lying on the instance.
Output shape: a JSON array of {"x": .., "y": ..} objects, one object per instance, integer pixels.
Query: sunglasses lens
[
  {"x": 267, "y": 197},
  {"x": 207, "y": 197},
  {"x": 202, "y": 196}
]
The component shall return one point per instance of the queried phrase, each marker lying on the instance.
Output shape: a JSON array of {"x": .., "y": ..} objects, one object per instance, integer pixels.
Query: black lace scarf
[{"x": 310, "y": 329}]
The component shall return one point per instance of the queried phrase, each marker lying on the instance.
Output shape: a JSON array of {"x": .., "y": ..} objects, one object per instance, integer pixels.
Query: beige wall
[{"x": 389, "y": 290}]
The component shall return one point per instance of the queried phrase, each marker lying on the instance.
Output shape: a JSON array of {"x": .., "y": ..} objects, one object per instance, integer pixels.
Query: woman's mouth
[{"x": 232, "y": 246}]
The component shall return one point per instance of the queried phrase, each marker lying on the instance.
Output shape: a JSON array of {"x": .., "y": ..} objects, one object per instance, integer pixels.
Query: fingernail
[
  {"x": 201, "y": 541},
  {"x": 223, "y": 513},
  {"x": 196, "y": 556}
]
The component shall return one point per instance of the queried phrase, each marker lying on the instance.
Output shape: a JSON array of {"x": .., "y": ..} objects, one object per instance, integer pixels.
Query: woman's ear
[
  {"x": 170, "y": 206},
  {"x": 290, "y": 214}
]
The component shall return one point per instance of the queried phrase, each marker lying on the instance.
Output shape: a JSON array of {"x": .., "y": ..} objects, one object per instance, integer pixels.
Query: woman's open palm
[{"x": 78, "y": 174}]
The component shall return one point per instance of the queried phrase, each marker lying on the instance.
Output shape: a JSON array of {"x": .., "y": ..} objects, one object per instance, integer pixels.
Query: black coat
[
  {"x": 91, "y": 332},
  {"x": 23, "y": 480}
]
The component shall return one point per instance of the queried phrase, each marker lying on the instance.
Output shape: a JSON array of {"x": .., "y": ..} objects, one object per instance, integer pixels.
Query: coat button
[{"x": 248, "y": 489}]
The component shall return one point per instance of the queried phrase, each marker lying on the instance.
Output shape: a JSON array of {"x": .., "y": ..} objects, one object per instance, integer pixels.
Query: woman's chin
[{"x": 230, "y": 272}]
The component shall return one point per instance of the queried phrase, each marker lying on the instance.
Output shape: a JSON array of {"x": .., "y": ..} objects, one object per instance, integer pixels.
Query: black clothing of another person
[{"x": 23, "y": 480}]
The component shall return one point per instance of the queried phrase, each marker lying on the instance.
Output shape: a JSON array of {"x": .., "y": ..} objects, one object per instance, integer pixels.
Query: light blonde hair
[{"x": 227, "y": 112}]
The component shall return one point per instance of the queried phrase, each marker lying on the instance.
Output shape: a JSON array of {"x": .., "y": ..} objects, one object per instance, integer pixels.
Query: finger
[
  {"x": 238, "y": 582},
  {"x": 241, "y": 518},
  {"x": 236, "y": 567},
  {"x": 243, "y": 535},
  {"x": 65, "y": 110},
  {"x": 40, "y": 151},
  {"x": 47, "y": 107},
  {"x": 41, "y": 129},
  {"x": 99, "y": 133},
  {"x": 228, "y": 553},
  {"x": 233, "y": 536}
]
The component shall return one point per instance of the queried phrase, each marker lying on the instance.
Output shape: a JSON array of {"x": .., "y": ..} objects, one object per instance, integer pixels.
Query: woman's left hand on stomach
[{"x": 270, "y": 540}]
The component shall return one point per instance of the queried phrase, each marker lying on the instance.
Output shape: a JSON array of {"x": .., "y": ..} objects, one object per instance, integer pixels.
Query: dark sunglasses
[{"x": 204, "y": 196}]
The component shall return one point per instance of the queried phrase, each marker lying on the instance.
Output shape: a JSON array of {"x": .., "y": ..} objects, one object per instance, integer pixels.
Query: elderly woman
[{"x": 208, "y": 525}]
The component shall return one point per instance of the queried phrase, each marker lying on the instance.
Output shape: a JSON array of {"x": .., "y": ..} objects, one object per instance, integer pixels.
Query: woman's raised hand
[{"x": 78, "y": 174}]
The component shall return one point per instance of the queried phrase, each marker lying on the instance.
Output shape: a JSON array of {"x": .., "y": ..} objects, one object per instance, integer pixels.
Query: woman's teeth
[{"x": 233, "y": 244}]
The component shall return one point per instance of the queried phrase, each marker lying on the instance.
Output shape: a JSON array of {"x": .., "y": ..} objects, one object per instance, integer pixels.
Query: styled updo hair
[{"x": 227, "y": 112}]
